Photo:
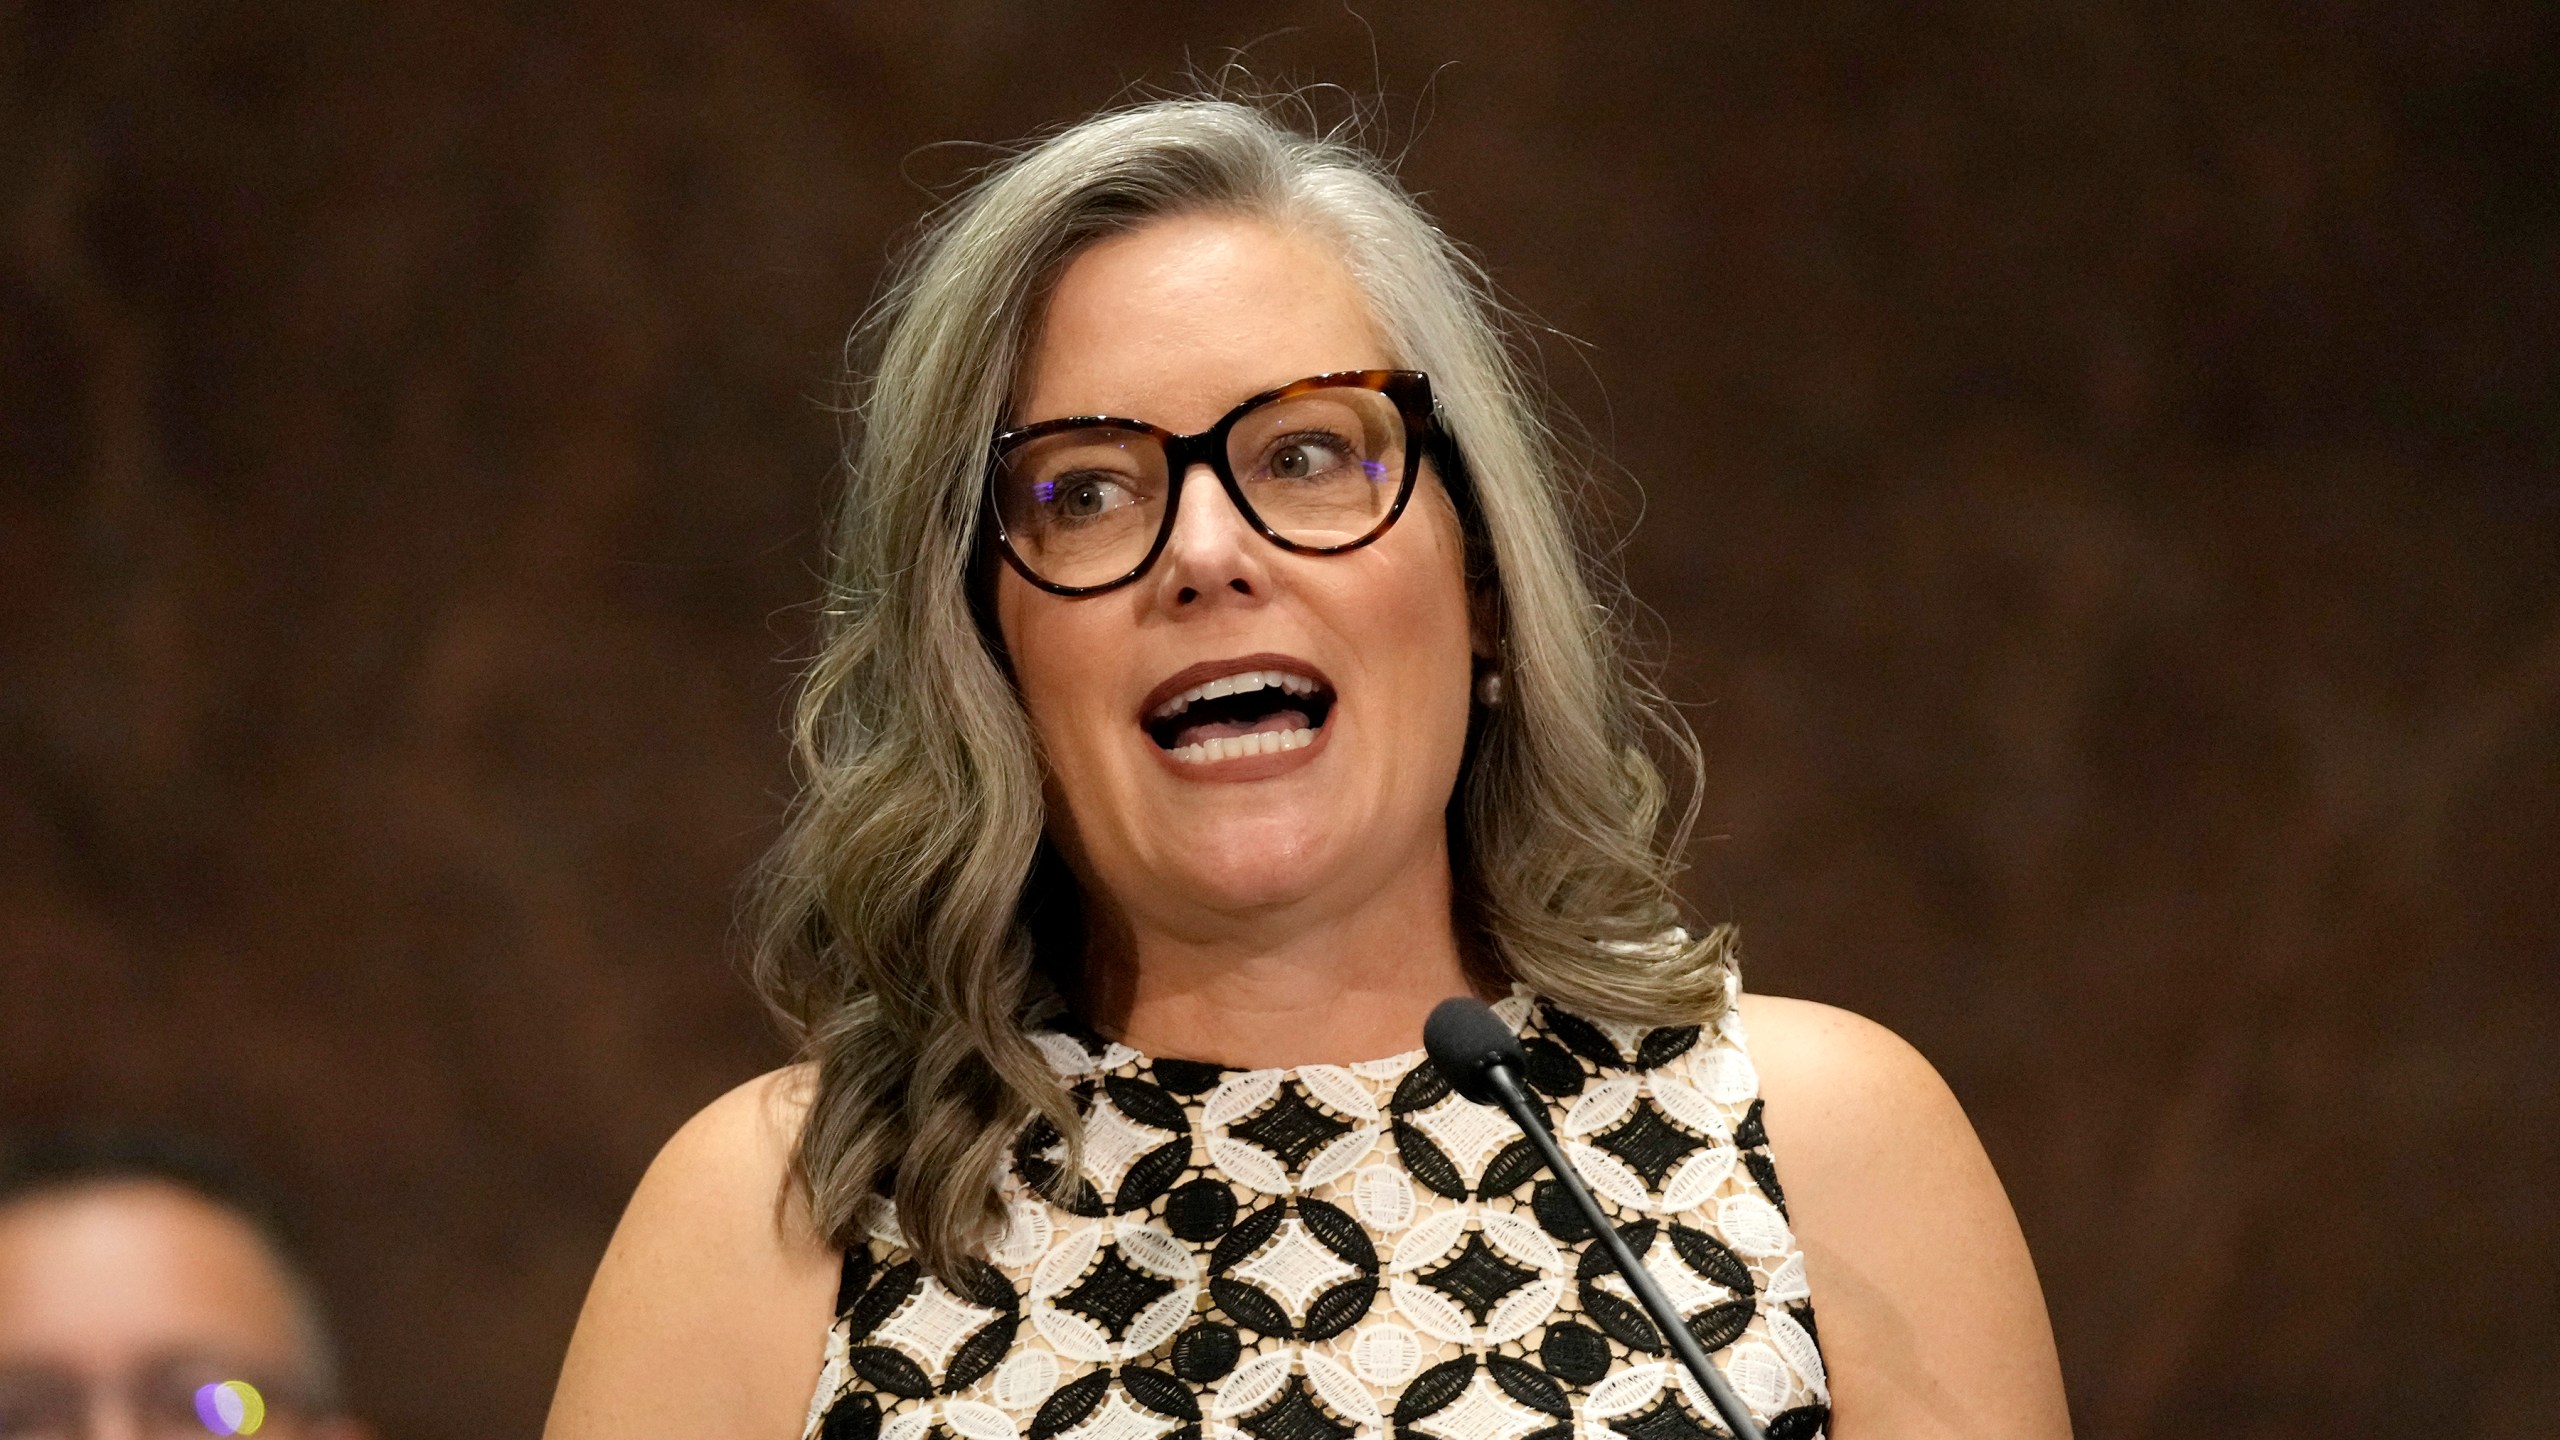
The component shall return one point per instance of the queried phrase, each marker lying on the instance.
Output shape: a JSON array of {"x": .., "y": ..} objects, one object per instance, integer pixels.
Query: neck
[{"x": 1282, "y": 988}]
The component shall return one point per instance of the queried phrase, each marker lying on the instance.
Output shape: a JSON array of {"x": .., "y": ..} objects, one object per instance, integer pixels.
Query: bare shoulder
[
  {"x": 1806, "y": 1036},
  {"x": 708, "y": 1315},
  {"x": 1931, "y": 1319},
  {"x": 1839, "y": 1077}
]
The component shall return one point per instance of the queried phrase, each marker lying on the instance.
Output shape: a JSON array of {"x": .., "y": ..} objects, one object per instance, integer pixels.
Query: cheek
[
  {"x": 1054, "y": 650},
  {"x": 1427, "y": 593},
  {"x": 1031, "y": 647}
]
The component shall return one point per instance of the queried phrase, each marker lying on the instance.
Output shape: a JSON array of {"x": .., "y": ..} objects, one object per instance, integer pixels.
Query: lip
[
  {"x": 1208, "y": 670},
  {"x": 1242, "y": 767}
]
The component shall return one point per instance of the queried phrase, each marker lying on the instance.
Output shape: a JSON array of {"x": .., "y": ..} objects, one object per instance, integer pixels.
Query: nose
[
  {"x": 1214, "y": 552},
  {"x": 113, "y": 1416}
]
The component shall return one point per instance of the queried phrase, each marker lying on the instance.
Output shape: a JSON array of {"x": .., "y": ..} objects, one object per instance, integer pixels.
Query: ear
[
  {"x": 1483, "y": 580},
  {"x": 1484, "y": 621}
]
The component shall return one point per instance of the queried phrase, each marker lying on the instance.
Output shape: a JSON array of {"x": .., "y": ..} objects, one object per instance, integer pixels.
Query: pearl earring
[{"x": 1489, "y": 688}]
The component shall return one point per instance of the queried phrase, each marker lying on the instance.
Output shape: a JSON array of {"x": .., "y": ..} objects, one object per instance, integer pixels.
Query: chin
[{"x": 1257, "y": 862}]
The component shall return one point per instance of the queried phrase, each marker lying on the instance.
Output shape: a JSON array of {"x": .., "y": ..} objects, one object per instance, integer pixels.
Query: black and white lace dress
[{"x": 1352, "y": 1252}]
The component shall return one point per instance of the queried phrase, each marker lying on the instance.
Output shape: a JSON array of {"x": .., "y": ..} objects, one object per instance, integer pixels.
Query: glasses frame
[{"x": 1409, "y": 389}]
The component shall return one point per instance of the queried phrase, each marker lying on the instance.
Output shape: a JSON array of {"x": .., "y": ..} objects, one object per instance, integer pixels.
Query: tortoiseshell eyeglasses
[{"x": 1085, "y": 503}]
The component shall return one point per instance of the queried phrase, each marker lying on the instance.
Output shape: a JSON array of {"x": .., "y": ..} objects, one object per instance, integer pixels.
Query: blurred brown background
[{"x": 2099, "y": 483}]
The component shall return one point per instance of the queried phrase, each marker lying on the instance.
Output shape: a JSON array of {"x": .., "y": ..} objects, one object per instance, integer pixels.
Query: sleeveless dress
[{"x": 1352, "y": 1252}]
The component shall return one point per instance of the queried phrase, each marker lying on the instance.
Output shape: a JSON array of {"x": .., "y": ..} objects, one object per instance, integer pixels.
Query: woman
[{"x": 1211, "y": 689}]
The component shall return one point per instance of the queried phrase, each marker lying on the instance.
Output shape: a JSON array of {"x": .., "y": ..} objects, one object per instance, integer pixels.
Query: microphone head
[{"x": 1466, "y": 1039}]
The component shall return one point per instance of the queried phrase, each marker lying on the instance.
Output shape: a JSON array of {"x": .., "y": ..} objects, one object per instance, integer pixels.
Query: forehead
[
  {"x": 1177, "y": 320},
  {"x": 100, "y": 1276}
]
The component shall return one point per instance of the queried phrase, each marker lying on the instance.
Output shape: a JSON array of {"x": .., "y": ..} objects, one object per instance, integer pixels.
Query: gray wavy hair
[{"x": 909, "y": 913}]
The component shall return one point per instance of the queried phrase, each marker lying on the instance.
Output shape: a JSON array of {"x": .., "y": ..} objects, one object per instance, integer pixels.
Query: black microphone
[{"x": 1483, "y": 1059}]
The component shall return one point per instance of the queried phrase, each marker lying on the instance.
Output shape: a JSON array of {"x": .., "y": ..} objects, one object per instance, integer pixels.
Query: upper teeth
[{"x": 1235, "y": 685}]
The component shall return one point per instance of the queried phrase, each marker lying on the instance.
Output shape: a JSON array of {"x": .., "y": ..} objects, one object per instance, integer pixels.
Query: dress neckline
[{"x": 1099, "y": 1052}]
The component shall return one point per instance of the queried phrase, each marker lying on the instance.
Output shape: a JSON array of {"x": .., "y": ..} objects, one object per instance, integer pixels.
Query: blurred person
[
  {"x": 149, "y": 1291},
  {"x": 1211, "y": 685}
]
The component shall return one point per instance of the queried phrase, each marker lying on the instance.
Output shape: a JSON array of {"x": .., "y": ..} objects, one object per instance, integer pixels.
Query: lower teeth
[{"x": 1229, "y": 747}]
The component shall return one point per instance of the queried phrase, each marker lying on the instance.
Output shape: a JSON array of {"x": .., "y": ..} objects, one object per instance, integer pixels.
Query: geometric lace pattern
[
  {"x": 1352, "y": 1252},
  {"x": 1295, "y": 1267}
]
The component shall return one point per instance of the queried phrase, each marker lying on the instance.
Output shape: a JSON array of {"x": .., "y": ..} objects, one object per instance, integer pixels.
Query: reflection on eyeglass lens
[
  {"x": 165, "y": 1402},
  {"x": 231, "y": 1407}
]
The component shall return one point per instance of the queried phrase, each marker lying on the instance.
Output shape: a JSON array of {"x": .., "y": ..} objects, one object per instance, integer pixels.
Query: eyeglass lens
[
  {"x": 167, "y": 1403},
  {"x": 1320, "y": 469}
]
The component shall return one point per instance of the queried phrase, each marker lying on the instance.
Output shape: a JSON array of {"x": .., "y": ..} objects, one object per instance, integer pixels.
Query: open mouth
[{"x": 1248, "y": 712}]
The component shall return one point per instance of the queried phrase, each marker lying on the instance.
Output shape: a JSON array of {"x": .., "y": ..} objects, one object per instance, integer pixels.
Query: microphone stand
[{"x": 1531, "y": 1118}]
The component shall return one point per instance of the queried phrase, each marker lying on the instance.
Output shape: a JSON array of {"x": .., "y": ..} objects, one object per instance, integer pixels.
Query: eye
[
  {"x": 1306, "y": 455},
  {"x": 1081, "y": 495}
]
